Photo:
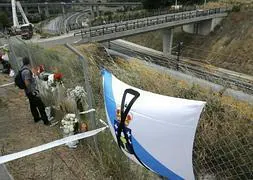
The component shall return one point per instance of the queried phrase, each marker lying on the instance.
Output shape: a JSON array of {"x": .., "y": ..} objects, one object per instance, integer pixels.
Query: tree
[
  {"x": 155, "y": 4},
  {"x": 190, "y": 2},
  {"x": 4, "y": 22}
]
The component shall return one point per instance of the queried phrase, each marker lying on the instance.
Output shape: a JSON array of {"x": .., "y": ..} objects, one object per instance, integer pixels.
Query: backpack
[{"x": 19, "y": 80}]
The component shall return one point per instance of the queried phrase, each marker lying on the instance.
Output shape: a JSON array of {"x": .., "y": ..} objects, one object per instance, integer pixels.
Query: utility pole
[{"x": 179, "y": 49}]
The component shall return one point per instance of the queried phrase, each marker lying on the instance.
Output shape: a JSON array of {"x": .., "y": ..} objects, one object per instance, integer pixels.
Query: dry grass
[
  {"x": 230, "y": 46},
  {"x": 224, "y": 120},
  {"x": 223, "y": 135}
]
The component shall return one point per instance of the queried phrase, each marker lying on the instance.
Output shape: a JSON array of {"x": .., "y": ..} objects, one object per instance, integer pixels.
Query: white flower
[
  {"x": 66, "y": 130},
  {"x": 50, "y": 80},
  {"x": 68, "y": 123},
  {"x": 71, "y": 115},
  {"x": 77, "y": 93},
  {"x": 71, "y": 128}
]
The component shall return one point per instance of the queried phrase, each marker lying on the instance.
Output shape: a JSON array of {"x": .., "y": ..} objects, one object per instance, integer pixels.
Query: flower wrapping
[
  {"x": 68, "y": 123},
  {"x": 77, "y": 93}
]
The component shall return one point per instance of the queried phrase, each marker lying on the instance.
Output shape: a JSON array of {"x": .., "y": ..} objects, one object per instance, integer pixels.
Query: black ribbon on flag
[{"x": 125, "y": 109}]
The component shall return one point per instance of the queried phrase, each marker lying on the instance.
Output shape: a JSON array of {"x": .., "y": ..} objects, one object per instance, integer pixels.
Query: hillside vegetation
[
  {"x": 230, "y": 46},
  {"x": 224, "y": 132}
]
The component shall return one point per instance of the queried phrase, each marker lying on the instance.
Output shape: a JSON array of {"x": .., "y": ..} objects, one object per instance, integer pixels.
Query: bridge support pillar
[
  {"x": 26, "y": 10},
  {"x": 47, "y": 11},
  {"x": 167, "y": 41},
  {"x": 92, "y": 12},
  {"x": 125, "y": 8},
  {"x": 39, "y": 9},
  {"x": 63, "y": 9},
  {"x": 97, "y": 10}
]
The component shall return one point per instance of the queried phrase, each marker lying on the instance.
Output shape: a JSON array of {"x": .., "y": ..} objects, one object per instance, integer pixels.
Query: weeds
[
  {"x": 223, "y": 136},
  {"x": 223, "y": 142}
]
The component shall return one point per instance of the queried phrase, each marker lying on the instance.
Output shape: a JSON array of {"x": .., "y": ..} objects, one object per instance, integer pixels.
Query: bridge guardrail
[
  {"x": 140, "y": 23},
  {"x": 144, "y": 14}
]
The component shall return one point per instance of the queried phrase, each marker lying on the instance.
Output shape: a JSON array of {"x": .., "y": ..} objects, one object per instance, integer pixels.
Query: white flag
[{"x": 153, "y": 130}]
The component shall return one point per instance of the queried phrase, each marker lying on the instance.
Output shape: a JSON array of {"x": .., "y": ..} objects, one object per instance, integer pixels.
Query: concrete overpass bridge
[{"x": 196, "y": 22}]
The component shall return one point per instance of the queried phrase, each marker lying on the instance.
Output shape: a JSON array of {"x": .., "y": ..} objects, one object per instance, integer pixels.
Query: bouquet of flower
[
  {"x": 40, "y": 68},
  {"x": 58, "y": 77},
  {"x": 68, "y": 123},
  {"x": 77, "y": 93},
  {"x": 50, "y": 80},
  {"x": 53, "y": 79}
]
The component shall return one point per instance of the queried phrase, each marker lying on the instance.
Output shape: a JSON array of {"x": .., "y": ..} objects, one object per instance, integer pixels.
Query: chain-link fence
[
  {"x": 58, "y": 60},
  {"x": 54, "y": 61},
  {"x": 223, "y": 147}
]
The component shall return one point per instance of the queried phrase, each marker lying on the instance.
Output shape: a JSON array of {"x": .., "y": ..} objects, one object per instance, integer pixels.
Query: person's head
[{"x": 26, "y": 61}]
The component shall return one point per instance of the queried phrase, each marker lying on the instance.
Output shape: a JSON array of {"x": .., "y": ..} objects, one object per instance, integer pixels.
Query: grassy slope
[
  {"x": 224, "y": 119},
  {"x": 230, "y": 46}
]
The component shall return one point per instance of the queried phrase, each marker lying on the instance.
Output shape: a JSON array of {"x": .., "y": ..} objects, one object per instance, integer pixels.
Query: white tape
[
  {"x": 11, "y": 157},
  {"x": 5, "y": 85},
  {"x": 86, "y": 112},
  {"x": 104, "y": 123}
]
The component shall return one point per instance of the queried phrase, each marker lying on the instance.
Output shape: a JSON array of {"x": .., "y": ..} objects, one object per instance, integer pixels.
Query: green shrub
[{"x": 236, "y": 8}]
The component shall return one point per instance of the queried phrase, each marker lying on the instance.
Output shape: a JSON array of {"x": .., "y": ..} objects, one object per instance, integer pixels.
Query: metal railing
[{"x": 146, "y": 22}]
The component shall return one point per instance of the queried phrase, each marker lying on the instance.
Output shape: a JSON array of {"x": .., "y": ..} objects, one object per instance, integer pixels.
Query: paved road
[{"x": 63, "y": 24}]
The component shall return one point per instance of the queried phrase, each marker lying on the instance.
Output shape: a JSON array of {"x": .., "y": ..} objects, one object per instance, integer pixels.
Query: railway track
[{"x": 224, "y": 77}]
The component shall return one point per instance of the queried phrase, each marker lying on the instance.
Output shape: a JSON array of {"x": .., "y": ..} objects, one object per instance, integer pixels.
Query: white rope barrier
[
  {"x": 5, "y": 85},
  {"x": 17, "y": 155},
  {"x": 88, "y": 111}
]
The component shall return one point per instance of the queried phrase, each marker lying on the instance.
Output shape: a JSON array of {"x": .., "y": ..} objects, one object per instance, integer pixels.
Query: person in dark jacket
[{"x": 36, "y": 105}]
